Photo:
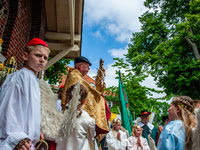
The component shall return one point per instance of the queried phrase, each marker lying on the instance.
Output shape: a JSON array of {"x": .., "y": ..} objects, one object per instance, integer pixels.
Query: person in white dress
[
  {"x": 136, "y": 141},
  {"x": 116, "y": 139},
  {"x": 77, "y": 127},
  {"x": 20, "y": 114}
]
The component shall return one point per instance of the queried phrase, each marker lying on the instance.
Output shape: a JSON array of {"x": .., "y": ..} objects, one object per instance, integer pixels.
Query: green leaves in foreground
[{"x": 54, "y": 73}]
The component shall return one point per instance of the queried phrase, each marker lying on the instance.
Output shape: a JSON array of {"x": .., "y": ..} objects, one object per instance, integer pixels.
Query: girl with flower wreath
[
  {"x": 136, "y": 141},
  {"x": 176, "y": 135}
]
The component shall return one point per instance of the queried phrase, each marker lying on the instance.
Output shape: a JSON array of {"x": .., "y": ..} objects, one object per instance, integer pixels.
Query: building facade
[{"x": 59, "y": 23}]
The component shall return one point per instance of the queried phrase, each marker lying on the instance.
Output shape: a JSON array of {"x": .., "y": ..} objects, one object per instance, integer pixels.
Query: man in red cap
[
  {"x": 20, "y": 114},
  {"x": 148, "y": 128}
]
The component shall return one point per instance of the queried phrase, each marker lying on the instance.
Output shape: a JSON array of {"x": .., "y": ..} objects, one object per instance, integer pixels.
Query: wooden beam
[
  {"x": 58, "y": 15},
  {"x": 61, "y": 55},
  {"x": 80, "y": 16},
  {"x": 62, "y": 36},
  {"x": 59, "y": 46},
  {"x": 71, "y": 20}
]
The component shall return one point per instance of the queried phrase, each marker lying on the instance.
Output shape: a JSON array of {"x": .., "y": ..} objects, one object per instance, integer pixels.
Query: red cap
[
  {"x": 62, "y": 86},
  {"x": 37, "y": 41}
]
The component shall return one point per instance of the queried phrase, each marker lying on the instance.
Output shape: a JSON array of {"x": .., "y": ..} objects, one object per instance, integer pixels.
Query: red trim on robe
[
  {"x": 52, "y": 145},
  {"x": 108, "y": 113}
]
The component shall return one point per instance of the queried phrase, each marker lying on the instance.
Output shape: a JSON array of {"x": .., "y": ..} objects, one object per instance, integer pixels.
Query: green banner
[{"x": 126, "y": 117}]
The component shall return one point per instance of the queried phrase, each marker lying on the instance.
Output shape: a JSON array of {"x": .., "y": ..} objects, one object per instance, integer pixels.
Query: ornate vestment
[{"x": 94, "y": 105}]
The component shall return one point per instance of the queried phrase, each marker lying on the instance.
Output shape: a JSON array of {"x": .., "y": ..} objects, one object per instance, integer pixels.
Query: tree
[
  {"x": 167, "y": 47},
  {"x": 54, "y": 73},
  {"x": 139, "y": 97}
]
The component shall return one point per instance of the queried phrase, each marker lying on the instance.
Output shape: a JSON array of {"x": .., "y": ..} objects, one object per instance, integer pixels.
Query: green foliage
[
  {"x": 173, "y": 10},
  {"x": 139, "y": 97},
  {"x": 54, "y": 73},
  {"x": 167, "y": 48},
  {"x": 162, "y": 49}
]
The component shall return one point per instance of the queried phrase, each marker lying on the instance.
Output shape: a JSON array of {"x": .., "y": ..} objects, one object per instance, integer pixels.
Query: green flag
[{"x": 126, "y": 117}]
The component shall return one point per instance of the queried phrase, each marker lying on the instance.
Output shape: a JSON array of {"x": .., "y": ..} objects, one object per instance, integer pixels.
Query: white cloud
[
  {"x": 98, "y": 35},
  {"x": 149, "y": 82},
  {"x": 119, "y": 18},
  {"x": 119, "y": 53},
  {"x": 110, "y": 78}
]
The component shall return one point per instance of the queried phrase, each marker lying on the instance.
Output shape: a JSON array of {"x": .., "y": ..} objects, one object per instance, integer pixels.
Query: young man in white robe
[{"x": 20, "y": 114}]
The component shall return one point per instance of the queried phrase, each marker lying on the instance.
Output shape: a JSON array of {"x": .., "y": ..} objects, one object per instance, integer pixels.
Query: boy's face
[{"x": 37, "y": 59}]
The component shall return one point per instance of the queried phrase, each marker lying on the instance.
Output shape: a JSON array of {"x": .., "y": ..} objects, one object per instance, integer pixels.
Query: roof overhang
[{"x": 64, "y": 28}]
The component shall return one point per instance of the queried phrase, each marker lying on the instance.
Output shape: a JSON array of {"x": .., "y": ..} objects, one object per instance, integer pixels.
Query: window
[{"x": 110, "y": 104}]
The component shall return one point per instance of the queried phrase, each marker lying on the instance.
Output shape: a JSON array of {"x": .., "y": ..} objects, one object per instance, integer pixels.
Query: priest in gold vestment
[{"x": 95, "y": 103}]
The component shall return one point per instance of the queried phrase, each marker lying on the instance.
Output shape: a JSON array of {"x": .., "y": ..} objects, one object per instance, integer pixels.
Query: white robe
[
  {"x": 113, "y": 143},
  {"x": 78, "y": 139},
  {"x": 19, "y": 109},
  {"x": 131, "y": 142}
]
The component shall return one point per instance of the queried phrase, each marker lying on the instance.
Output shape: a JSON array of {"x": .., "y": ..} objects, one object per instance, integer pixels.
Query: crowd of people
[
  {"x": 175, "y": 135},
  {"x": 20, "y": 114}
]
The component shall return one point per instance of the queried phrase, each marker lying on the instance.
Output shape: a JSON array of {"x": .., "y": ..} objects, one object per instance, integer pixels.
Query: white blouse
[{"x": 131, "y": 142}]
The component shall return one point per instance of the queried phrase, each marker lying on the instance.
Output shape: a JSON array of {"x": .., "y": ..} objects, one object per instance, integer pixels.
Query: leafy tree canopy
[
  {"x": 54, "y": 73},
  {"x": 167, "y": 47}
]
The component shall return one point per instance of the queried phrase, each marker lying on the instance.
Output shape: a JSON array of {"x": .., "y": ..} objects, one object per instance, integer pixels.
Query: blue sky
[{"x": 107, "y": 29}]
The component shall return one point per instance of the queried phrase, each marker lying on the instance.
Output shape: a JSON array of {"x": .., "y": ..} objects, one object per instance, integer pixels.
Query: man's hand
[
  {"x": 160, "y": 128},
  {"x": 118, "y": 136},
  {"x": 41, "y": 136},
  {"x": 24, "y": 144}
]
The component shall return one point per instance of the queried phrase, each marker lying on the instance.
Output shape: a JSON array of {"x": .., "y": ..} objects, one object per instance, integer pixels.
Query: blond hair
[
  {"x": 115, "y": 121},
  {"x": 186, "y": 115},
  {"x": 32, "y": 47},
  {"x": 134, "y": 128}
]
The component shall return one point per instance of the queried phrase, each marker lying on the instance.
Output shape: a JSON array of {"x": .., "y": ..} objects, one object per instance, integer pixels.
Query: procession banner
[{"x": 126, "y": 117}]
